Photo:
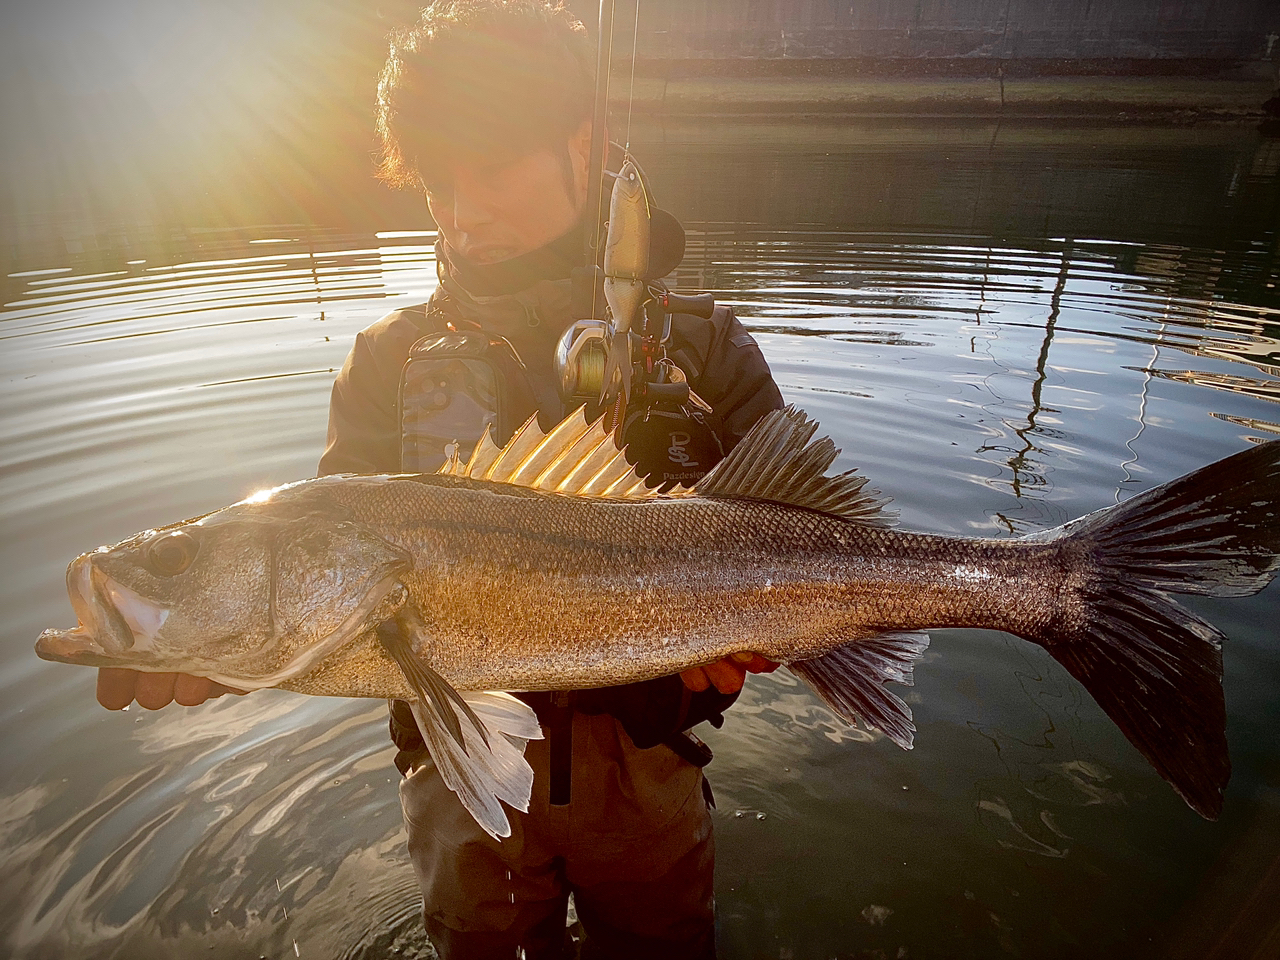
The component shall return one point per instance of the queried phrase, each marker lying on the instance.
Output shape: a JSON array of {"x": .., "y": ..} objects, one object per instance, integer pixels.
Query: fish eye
[{"x": 171, "y": 554}]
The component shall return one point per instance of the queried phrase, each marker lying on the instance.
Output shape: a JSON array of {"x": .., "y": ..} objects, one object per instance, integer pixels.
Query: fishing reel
[
  {"x": 664, "y": 424},
  {"x": 581, "y": 353},
  {"x": 583, "y": 348}
]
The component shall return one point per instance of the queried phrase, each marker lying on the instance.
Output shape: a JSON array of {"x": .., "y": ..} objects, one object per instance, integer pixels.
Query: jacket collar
[{"x": 544, "y": 303}]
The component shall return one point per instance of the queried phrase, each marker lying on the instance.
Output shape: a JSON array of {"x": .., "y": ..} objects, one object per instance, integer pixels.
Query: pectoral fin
[
  {"x": 484, "y": 773},
  {"x": 394, "y": 635}
]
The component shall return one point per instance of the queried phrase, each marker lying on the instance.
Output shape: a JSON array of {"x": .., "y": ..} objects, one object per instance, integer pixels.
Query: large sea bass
[{"x": 549, "y": 565}]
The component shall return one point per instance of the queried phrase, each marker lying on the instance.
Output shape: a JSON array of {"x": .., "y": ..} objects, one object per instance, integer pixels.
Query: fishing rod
[{"x": 595, "y": 356}]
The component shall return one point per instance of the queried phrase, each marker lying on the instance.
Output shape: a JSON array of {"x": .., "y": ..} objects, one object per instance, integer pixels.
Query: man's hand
[
  {"x": 727, "y": 675},
  {"x": 118, "y": 687}
]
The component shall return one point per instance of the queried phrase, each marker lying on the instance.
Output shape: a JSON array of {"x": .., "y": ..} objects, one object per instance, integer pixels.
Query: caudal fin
[{"x": 1154, "y": 667}]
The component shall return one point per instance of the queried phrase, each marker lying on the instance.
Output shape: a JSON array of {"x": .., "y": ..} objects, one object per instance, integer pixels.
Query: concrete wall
[{"x": 1216, "y": 30}]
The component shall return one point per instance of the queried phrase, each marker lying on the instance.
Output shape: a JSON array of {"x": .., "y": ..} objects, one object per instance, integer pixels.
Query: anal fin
[{"x": 850, "y": 680}]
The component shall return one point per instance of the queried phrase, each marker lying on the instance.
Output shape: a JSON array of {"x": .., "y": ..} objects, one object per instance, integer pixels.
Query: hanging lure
[{"x": 626, "y": 261}]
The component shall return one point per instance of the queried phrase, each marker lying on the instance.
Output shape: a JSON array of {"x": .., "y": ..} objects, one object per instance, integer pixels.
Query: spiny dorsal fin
[
  {"x": 576, "y": 457},
  {"x": 776, "y": 461}
]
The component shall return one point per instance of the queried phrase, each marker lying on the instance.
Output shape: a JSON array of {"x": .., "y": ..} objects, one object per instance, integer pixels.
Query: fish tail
[
  {"x": 618, "y": 365},
  {"x": 1153, "y": 666}
]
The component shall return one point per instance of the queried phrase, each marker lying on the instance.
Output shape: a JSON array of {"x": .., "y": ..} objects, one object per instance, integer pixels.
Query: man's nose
[{"x": 470, "y": 213}]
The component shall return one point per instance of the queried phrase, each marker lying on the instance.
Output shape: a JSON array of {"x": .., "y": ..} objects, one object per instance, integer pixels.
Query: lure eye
[{"x": 171, "y": 554}]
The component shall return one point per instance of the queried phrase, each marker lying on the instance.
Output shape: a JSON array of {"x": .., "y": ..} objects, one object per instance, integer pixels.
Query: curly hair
[{"x": 480, "y": 80}]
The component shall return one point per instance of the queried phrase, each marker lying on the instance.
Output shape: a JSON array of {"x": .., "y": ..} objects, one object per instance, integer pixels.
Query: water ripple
[{"x": 988, "y": 386}]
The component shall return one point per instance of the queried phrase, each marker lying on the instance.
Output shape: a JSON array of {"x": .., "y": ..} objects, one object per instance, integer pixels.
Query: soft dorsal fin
[
  {"x": 576, "y": 457},
  {"x": 776, "y": 461}
]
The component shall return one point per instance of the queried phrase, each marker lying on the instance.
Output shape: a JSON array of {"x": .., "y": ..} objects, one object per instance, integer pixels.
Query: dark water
[{"x": 1004, "y": 327}]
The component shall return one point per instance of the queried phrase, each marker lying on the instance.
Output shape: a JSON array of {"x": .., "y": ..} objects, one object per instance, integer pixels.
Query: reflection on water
[
  {"x": 992, "y": 381},
  {"x": 192, "y": 835}
]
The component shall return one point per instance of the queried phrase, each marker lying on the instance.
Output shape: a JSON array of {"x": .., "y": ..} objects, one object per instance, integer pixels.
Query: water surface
[{"x": 1004, "y": 327}]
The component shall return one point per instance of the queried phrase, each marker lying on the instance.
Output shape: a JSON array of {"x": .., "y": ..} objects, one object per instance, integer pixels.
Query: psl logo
[{"x": 677, "y": 453}]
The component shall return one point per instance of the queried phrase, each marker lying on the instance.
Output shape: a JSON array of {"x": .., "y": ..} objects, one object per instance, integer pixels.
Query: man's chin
[{"x": 483, "y": 255}]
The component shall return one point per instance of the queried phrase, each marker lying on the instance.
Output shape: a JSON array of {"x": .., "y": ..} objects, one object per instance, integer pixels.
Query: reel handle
[
  {"x": 699, "y": 304},
  {"x": 674, "y": 393}
]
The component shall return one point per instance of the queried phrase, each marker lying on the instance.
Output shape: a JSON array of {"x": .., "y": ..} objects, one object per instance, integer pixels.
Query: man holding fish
[
  {"x": 524, "y": 552},
  {"x": 485, "y": 106}
]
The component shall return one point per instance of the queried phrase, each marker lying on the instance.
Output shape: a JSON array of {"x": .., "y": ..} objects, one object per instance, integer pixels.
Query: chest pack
[{"x": 454, "y": 386}]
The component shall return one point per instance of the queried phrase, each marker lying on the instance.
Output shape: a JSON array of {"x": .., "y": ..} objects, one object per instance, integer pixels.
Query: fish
[
  {"x": 548, "y": 564},
  {"x": 626, "y": 261}
]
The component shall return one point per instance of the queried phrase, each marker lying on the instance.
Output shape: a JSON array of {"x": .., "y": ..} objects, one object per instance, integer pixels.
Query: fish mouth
[
  {"x": 76, "y": 646},
  {"x": 115, "y": 624}
]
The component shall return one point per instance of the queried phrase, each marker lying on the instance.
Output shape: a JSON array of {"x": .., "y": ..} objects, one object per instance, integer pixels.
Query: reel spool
[{"x": 580, "y": 358}]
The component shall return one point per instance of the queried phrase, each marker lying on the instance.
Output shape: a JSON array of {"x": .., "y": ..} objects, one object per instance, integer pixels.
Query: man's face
[{"x": 490, "y": 212}]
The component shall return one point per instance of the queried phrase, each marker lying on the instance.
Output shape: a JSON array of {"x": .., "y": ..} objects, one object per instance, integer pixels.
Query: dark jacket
[{"x": 723, "y": 364}]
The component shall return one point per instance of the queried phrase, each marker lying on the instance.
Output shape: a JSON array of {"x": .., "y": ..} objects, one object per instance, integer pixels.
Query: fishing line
[
  {"x": 631, "y": 91},
  {"x": 604, "y": 62},
  {"x": 604, "y": 157},
  {"x": 599, "y": 148}
]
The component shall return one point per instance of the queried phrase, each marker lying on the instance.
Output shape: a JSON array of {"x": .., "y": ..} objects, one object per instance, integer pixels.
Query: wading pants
[{"x": 633, "y": 845}]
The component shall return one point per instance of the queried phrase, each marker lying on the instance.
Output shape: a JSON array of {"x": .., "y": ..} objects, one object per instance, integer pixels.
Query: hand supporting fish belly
[
  {"x": 728, "y": 674},
  {"x": 547, "y": 565}
]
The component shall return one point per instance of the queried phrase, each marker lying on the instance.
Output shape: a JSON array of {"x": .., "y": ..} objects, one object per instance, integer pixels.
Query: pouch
[{"x": 453, "y": 387}]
